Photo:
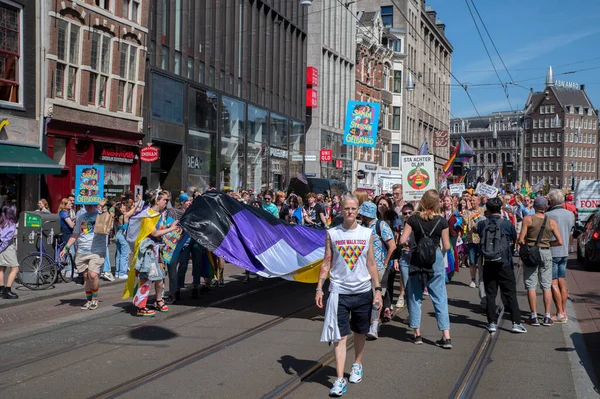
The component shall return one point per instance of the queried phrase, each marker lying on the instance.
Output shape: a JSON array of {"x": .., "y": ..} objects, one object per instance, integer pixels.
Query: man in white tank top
[{"x": 350, "y": 264}]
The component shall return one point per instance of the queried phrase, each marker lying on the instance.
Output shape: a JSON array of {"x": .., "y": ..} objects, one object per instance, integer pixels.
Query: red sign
[
  {"x": 440, "y": 142},
  {"x": 326, "y": 156},
  {"x": 115, "y": 155},
  {"x": 312, "y": 76},
  {"x": 312, "y": 98},
  {"x": 149, "y": 153},
  {"x": 339, "y": 164},
  {"x": 440, "y": 134}
]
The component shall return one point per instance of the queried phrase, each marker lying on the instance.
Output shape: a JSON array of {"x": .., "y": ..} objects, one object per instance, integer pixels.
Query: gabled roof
[
  {"x": 368, "y": 16},
  {"x": 571, "y": 97}
]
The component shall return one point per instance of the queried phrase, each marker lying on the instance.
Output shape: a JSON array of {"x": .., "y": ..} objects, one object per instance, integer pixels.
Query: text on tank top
[
  {"x": 349, "y": 259},
  {"x": 534, "y": 230}
]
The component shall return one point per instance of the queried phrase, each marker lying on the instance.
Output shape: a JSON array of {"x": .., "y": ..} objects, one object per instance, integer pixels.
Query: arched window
[
  {"x": 503, "y": 157},
  {"x": 508, "y": 157},
  {"x": 495, "y": 156},
  {"x": 489, "y": 158}
]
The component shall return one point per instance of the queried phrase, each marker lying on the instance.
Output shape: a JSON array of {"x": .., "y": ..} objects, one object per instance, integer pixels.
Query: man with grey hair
[{"x": 565, "y": 220}]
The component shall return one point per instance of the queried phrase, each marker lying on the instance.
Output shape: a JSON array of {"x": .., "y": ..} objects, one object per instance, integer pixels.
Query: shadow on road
[
  {"x": 293, "y": 366},
  {"x": 587, "y": 346},
  {"x": 152, "y": 333}
]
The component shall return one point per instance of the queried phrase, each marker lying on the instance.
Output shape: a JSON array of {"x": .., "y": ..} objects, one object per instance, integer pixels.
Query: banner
[
  {"x": 457, "y": 189},
  {"x": 362, "y": 120},
  {"x": 418, "y": 176},
  {"x": 89, "y": 184},
  {"x": 486, "y": 189}
]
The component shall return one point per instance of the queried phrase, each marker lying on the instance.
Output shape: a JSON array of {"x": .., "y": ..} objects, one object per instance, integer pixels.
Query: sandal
[
  {"x": 161, "y": 306},
  {"x": 145, "y": 312}
]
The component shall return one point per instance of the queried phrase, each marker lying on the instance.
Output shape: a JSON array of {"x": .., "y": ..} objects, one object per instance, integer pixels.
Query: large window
[
  {"x": 395, "y": 156},
  {"x": 397, "y": 112},
  {"x": 10, "y": 54},
  {"x": 233, "y": 117},
  {"x": 296, "y": 148},
  {"x": 99, "y": 65},
  {"x": 397, "y": 81},
  {"x": 128, "y": 74},
  {"x": 278, "y": 151},
  {"x": 203, "y": 109},
  {"x": 257, "y": 157},
  {"x": 67, "y": 65},
  {"x": 387, "y": 15},
  {"x": 202, "y": 159},
  {"x": 167, "y": 99}
]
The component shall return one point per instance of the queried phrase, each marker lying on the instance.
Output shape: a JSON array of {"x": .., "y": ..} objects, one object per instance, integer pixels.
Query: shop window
[
  {"x": 257, "y": 157},
  {"x": 233, "y": 118},
  {"x": 201, "y": 161},
  {"x": 203, "y": 110},
  {"x": 67, "y": 55},
  {"x": 10, "y": 54}
]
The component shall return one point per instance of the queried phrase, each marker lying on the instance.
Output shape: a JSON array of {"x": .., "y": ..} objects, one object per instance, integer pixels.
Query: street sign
[
  {"x": 326, "y": 156},
  {"x": 32, "y": 220},
  {"x": 310, "y": 158},
  {"x": 310, "y": 174}
]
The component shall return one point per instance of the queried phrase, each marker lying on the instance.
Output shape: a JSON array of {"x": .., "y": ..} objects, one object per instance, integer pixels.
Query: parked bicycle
[{"x": 39, "y": 270}]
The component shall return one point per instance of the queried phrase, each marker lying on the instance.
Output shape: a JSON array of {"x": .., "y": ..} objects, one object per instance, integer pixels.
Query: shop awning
[{"x": 18, "y": 159}]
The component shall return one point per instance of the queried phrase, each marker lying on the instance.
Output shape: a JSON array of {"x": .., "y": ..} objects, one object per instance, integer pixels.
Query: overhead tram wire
[
  {"x": 504, "y": 86},
  {"x": 438, "y": 58}
]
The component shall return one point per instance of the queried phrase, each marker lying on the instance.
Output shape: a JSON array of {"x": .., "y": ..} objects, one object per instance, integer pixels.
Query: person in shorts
[
  {"x": 91, "y": 250},
  {"x": 532, "y": 226},
  {"x": 350, "y": 263}
]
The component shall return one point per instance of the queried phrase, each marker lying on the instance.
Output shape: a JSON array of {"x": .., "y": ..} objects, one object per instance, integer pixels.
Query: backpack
[
  {"x": 423, "y": 255},
  {"x": 494, "y": 243}
]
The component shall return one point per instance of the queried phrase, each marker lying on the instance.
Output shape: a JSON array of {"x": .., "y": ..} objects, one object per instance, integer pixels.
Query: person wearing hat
[
  {"x": 532, "y": 225},
  {"x": 384, "y": 246},
  {"x": 570, "y": 206}
]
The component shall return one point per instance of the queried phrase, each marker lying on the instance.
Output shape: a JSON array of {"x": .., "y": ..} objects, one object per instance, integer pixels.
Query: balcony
[{"x": 386, "y": 96}]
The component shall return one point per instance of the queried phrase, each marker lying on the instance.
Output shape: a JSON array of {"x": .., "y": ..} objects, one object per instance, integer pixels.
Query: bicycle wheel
[
  {"x": 37, "y": 272},
  {"x": 66, "y": 269}
]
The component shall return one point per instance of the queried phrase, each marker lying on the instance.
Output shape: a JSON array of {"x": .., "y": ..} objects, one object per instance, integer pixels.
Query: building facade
[
  {"x": 379, "y": 79},
  {"x": 332, "y": 51},
  {"x": 94, "y": 85},
  {"x": 495, "y": 139},
  {"x": 21, "y": 160},
  {"x": 561, "y": 135},
  {"x": 226, "y": 93}
]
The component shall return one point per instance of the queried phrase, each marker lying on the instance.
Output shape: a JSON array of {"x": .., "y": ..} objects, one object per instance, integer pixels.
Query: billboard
[{"x": 362, "y": 120}]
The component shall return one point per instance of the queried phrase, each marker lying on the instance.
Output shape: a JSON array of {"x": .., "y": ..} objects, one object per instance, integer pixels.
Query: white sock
[{"x": 533, "y": 315}]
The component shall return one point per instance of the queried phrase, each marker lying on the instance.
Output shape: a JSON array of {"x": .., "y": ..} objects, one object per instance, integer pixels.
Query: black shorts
[{"x": 354, "y": 313}]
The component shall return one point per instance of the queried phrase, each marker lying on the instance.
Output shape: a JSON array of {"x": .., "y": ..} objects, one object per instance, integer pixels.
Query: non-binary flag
[{"x": 254, "y": 239}]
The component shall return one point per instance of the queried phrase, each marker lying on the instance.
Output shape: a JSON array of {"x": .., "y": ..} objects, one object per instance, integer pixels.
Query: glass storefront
[
  {"x": 245, "y": 148},
  {"x": 232, "y": 143},
  {"x": 257, "y": 157},
  {"x": 278, "y": 152}
]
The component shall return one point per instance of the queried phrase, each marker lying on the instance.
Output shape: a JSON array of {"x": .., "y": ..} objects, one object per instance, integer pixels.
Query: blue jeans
[
  {"x": 106, "y": 267},
  {"x": 559, "y": 267},
  {"x": 122, "y": 256},
  {"x": 437, "y": 293},
  {"x": 179, "y": 268}
]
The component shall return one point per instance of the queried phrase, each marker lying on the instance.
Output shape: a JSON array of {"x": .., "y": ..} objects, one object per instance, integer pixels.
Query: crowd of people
[{"x": 369, "y": 241}]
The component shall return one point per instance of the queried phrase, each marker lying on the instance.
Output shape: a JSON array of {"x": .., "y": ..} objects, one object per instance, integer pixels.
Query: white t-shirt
[
  {"x": 349, "y": 261},
  {"x": 89, "y": 242}
]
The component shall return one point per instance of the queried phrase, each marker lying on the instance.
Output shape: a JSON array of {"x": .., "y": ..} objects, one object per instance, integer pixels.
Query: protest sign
[
  {"x": 362, "y": 122},
  {"x": 89, "y": 184},
  {"x": 418, "y": 176},
  {"x": 457, "y": 188},
  {"x": 486, "y": 189}
]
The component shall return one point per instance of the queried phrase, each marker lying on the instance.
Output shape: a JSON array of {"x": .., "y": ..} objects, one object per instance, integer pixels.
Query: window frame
[
  {"x": 19, "y": 67},
  {"x": 67, "y": 62},
  {"x": 127, "y": 86},
  {"x": 96, "y": 71}
]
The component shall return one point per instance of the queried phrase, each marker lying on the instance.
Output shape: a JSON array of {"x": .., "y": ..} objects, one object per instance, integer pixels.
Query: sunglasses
[
  {"x": 406, "y": 213},
  {"x": 267, "y": 198}
]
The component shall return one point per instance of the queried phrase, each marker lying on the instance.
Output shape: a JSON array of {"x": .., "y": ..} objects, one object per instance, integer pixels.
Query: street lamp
[{"x": 410, "y": 83}]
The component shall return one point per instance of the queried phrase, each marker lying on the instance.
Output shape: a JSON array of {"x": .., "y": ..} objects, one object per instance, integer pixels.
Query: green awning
[{"x": 18, "y": 159}]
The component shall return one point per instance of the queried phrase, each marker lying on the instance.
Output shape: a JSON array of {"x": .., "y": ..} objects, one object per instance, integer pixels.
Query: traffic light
[{"x": 508, "y": 171}]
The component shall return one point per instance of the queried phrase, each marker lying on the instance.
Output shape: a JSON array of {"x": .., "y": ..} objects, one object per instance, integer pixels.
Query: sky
[{"x": 530, "y": 36}]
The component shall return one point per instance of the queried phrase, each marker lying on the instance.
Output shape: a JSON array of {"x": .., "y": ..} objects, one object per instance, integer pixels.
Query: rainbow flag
[
  {"x": 462, "y": 153},
  {"x": 253, "y": 239},
  {"x": 140, "y": 226}
]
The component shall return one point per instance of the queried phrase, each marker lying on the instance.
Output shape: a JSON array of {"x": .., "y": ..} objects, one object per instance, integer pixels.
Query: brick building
[
  {"x": 561, "y": 135},
  {"x": 94, "y": 87}
]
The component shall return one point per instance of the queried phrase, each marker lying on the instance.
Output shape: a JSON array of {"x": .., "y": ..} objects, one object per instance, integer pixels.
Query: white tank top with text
[{"x": 349, "y": 271}]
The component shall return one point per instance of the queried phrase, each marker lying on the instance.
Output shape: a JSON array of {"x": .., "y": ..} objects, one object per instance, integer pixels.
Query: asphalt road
[{"x": 249, "y": 341}]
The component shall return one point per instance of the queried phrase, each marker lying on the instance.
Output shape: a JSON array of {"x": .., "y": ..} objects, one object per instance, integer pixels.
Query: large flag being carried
[
  {"x": 253, "y": 239},
  {"x": 461, "y": 153}
]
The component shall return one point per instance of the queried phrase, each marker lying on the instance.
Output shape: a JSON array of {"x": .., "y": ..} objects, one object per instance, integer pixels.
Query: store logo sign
[
  {"x": 326, "y": 155},
  {"x": 278, "y": 153},
  {"x": 119, "y": 156},
  {"x": 194, "y": 162},
  {"x": 149, "y": 153}
]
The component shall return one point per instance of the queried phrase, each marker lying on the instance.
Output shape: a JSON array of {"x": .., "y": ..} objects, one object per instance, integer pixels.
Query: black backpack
[
  {"x": 423, "y": 255},
  {"x": 494, "y": 244}
]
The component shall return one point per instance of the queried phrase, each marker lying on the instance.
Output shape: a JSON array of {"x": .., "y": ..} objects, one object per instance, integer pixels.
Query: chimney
[{"x": 582, "y": 87}]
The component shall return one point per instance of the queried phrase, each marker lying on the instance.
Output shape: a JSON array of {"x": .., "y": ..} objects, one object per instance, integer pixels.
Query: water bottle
[
  {"x": 375, "y": 311},
  {"x": 32, "y": 237},
  {"x": 51, "y": 236}
]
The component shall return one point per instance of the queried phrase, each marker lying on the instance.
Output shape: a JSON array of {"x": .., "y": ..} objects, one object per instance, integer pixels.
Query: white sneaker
[
  {"x": 339, "y": 387},
  {"x": 400, "y": 304},
  {"x": 473, "y": 285},
  {"x": 356, "y": 374},
  {"x": 372, "y": 335}
]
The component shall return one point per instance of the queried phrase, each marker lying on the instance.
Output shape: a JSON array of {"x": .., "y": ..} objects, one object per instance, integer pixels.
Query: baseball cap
[
  {"x": 540, "y": 203},
  {"x": 183, "y": 197},
  {"x": 368, "y": 209}
]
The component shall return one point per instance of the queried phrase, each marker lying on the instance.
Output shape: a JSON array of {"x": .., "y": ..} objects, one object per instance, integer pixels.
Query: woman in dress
[{"x": 8, "y": 251}]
